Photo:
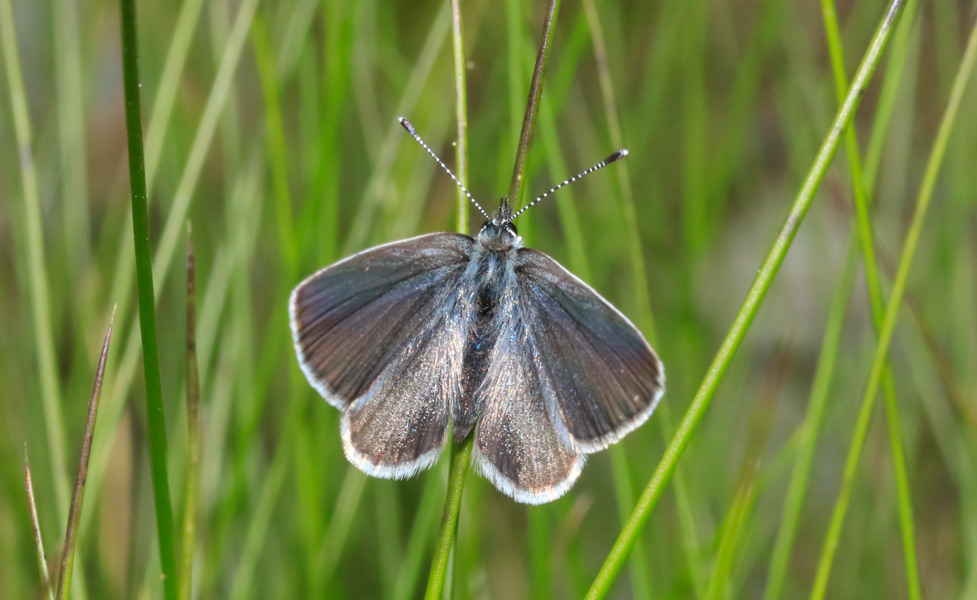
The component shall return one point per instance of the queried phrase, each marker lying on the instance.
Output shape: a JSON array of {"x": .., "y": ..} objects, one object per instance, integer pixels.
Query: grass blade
[
  {"x": 37, "y": 281},
  {"x": 193, "y": 427},
  {"x": 892, "y": 310},
  {"x": 460, "y": 460},
  {"x": 823, "y": 375},
  {"x": 744, "y": 317},
  {"x": 460, "y": 454},
  {"x": 461, "y": 115},
  {"x": 147, "y": 310},
  {"x": 74, "y": 514},
  {"x": 532, "y": 106},
  {"x": 864, "y": 228},
  {"x": 36, "y": 526}
]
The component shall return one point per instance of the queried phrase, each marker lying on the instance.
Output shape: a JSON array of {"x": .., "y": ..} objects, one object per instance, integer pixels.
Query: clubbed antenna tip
[
  {"x": 410, "y": 129},
  {"x": 616, "y": 156}
]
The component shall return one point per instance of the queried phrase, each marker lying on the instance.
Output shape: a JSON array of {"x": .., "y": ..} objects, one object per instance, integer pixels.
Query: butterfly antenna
[
  {"x": 410, "y": 129},
  {"x": 617, "y": 155}
]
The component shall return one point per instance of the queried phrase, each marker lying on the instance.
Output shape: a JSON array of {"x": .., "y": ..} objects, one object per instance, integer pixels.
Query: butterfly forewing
[
  {"x": 605, "y": 377},
  {"x": 381, "y": 336}
]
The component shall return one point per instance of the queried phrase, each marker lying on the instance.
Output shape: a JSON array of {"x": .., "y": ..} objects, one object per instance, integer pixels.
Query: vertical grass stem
[{"x": 147, "y": 311}]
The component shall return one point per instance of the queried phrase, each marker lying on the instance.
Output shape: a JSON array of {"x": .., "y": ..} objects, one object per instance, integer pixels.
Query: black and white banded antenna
[
  {"x": 410, "y": 129},
  {"x": 616, "y": 156}
]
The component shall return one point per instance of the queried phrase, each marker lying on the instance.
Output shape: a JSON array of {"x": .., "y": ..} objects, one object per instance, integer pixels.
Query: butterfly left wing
[{"x": 380, "y": 335}]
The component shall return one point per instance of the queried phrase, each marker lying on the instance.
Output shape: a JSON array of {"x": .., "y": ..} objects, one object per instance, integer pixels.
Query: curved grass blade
[
  {"x": 36, "y": 527},
  {"x": 744, "y": 317},
  {"x": 74, "y": 514}
]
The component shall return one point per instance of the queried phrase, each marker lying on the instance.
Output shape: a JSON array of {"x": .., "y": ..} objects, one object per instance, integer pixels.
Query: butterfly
[{"x": 483, "y": 334}]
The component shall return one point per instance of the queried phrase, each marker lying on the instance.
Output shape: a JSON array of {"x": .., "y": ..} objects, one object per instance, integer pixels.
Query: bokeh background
[{"x": 271, "y": 127}]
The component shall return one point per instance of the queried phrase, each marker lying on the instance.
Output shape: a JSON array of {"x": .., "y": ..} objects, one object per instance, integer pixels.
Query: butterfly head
[{"x": 499, "y": 233}]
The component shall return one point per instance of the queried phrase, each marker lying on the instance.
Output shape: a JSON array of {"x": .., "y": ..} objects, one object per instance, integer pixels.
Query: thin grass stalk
[
  {"x": 421, "y": 533},
  {"x": 74, "y": 513},
  {"x": 193, "y": 427},
  {"x": 729, "y": 537},
  {"x": 258, "y": 526},
  {"x": 71, "y": 136},
  {"x": 460, "y": 460},
  {"x": 37, "y": 284},
  {"x": 864, "y": 228},
  {"x": 461, "y": 115},
  {"x": 646, "y": 319},
  {"x": 638, "y": 564},
  {"x": 147, "y": 311},
  {"x": 518, "y": 182},
  {"x": 461, "y": 168},
  {"x": 275, "y": 138},
  {"x": 36, "y": 527},
  {"x": 337, "y": 532},
  {"x": 459, "y": 453},
  {"x": 892, "y": 310},
  {"x": 889, "y": 92},
  {"x": 757, "y": 292},
  {"x": 176, "y": 58},
  {"x": 423, "y": 65},
  {"x": 823, "y": 374}
]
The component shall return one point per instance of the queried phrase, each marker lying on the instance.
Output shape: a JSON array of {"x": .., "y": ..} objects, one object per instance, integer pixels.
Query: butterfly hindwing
[
  {"x": 381, "y": 336},
  {"x": 518, "y": 443},
  {"x": 605, "y": 377}
]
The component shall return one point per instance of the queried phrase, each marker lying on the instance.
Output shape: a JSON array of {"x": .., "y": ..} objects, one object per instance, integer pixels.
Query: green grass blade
[
  {"x": 892, "y": 310},
  {"x": 425, "y": 518},
  {"x": 37, "y": 279},
  {"x": 71, "y": 138},
  {"x": 36, "y": 527},
  {"x": 460, "y": 454},
  {"x": 74, "y": 514},
  {"x": 461, "y": 115},
  {"x": 193, "y": 428},
  {"x": 460, "y": 460},
  {"x": 864, "y": 228},
  {"x": 518, "y": 183},
  {"x": 809, "y": 429},
  {"x": 169, "y": 84},
  {"x": 744, "y": 317},
  {"x": 147, "y": 310},
  {"x": 275, "y": 137}
]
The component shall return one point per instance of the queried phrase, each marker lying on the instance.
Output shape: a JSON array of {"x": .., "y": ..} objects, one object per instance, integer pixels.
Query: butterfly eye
[{"x": 511, "y": 229}]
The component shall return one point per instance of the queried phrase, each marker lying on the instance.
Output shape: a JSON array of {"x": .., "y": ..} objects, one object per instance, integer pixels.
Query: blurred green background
[{"x": 272, "y": 128}]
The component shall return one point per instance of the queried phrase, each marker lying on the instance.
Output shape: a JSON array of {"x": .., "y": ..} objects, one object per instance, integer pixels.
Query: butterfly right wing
[
  {"x": 606, "y": 379},
  {"x": 380, "y": 335}
]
